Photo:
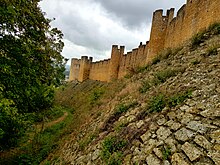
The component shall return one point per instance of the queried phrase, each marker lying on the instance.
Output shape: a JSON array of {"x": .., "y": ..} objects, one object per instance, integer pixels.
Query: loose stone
[{"x": 191, "y": 151}]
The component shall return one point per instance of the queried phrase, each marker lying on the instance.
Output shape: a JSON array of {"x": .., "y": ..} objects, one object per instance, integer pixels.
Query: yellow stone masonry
[{"x": 166, "y": 32}]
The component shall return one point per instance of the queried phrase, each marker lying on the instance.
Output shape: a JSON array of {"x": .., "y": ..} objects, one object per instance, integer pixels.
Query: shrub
[
  {"x": 214, "y": 28},
  {"x": 162, "y": 76},
  {"x": 159, "y": 77},
  {"x": 197, "y": 39},
  {"x": 156, "y": 60},
  {"x": 12, "y": 124},
  {"x": 119, "y": 126},
  {"x": 195, "y": 62},
  {"x": 122, "y": 108},
  {"x": 161, "y": 56},
  {"x": 179, "y": 98},
  {"x": 166, "y": 153},
  {"x": 95, "y": 96},
  {"x": 111, "y": 150},
  {"x": 145, "y": 86},
  {"x": 212, "y": 50},
  {"x": 157, "y": 103},
  {"x": 85, "y": 142}
]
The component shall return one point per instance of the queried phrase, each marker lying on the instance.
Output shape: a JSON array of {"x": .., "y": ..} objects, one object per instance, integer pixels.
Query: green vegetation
[
  {"x": 200, "y": 37},
  {"x": 112, "y": 148},
  {"x": 31, "y": 66},
  {"x": 86, "y": 141},
  {"x": 195, "y": 62},
  {"x": 162, "y": 55},
  {"x": 212, "y": 50},
  {"x": 157, "y": 103},
  {"x": 38, "y": 143},
  {"x": 118, "y": 127},
  {"x": 162, "y": 76},
  {"x": 122, "y": 108},
  {"x": 146, "y": 85},
  {"x": 11, "y": 123},
  {"x": 166, "y": 153},
  {"x": 95, "y": 96},
  {"x": 179, "y": 98},
  {"x": 159, "y": 77},
  {"x": 214, "y": 29}
]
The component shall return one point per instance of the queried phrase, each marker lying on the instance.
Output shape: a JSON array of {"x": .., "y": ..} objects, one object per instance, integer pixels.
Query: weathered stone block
[
  {"x": 178, "y": 159},
  {"x": 184, "y": 134},
  {"x": 191, "y": 151},
  {"x": 163, "y": 133},
  {"x": 203, "y": 142}
]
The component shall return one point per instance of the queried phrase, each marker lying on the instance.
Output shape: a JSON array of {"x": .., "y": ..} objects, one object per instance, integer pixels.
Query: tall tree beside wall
[{"x": 30, "y": 61}]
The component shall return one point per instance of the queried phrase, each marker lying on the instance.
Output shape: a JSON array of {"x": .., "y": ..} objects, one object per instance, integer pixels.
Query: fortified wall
[{"x": 166, "y": 32}]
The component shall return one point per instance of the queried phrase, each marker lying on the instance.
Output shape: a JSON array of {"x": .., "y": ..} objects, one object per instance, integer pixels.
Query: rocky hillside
[{"x": 165, "y": 113}]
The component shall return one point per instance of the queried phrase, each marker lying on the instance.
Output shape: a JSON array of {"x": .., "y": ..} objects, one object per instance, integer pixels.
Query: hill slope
[{"x": 165, "y": 113}]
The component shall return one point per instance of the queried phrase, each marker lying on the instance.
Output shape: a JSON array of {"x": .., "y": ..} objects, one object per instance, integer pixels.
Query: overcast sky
[{"x": 90, "y": 27}]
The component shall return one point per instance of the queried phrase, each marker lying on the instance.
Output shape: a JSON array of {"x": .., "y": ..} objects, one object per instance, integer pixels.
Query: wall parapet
[{"x": 167, "y": 31}]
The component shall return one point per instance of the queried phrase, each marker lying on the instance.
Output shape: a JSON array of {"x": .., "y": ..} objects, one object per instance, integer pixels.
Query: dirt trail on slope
[{"x": 46, "y": 125}]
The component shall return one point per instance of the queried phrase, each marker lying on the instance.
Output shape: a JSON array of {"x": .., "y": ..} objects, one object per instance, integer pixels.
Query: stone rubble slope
[{"x": 186, "y": 134}]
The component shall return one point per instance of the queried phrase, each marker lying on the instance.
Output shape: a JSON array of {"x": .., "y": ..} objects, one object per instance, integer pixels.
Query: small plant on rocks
[
  {"x": 122, "y": 108},
  {"x": 166, "y": 153},
  {"x": 212, "y": 50},
  {"x": 157, "y": 103},
  {"x": 112, "y": 150}
]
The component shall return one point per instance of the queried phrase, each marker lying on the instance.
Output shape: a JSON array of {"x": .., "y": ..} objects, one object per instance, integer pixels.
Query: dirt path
[{"x": 39, "y": 126}]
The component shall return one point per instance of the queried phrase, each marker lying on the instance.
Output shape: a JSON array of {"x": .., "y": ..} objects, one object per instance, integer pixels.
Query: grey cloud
[
  {"x": 135, "y": 12},
  {"x": 88, "y": 33}
]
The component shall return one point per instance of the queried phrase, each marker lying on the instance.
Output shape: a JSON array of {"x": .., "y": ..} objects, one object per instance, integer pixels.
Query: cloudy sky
[{"x": 90, "y": 27}]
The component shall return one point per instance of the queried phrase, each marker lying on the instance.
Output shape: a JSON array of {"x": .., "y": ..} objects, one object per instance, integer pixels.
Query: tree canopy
[{"x": 31, "y": 64}]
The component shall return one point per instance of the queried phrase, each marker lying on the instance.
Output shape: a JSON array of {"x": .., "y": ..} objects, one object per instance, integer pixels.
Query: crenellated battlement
[{"x": 167, "y": 31}]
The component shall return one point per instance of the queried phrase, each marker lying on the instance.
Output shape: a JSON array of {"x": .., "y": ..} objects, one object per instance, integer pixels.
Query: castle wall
[
  {"x": 193, "y": 17},
  {"x": 166, "y": 32},
  {"x": 85, "y": 65},
  {"x": 157, "y": 36},
  {"x": 99, "y": 70},
  {"x": 74, "y": 69}
]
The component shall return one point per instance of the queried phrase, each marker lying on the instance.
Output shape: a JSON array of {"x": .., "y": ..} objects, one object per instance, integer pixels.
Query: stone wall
[
  {"x": 99, "y": 69},
  {"x": 166, "y": 32},
  {"x": 193, "y": 17},
  {"x": 74, "y": 69}
]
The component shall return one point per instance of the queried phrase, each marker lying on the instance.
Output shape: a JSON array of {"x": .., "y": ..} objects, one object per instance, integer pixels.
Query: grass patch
[
  {"x": 214, "y": 29},
  {"x": 162, "y": 56},
  {"x": 119, "y": 126},
  {"x": 195, "y": 62},
  {"x": 159, "y": 77},
  {"x": 197, "y": 39},
  {"x": 179, "y": 98},
  {"x": 159, "y": 102},
  {"x": 166, "y": 153},
  {"x": 143, "y": 69},
  {"x": 212, "y": 50},
  {"x": 112, "y": 148},
  {"x": 34, "y": 150},
  {"x": 145, "y": 86},
  {"x": 85, "y": 142},
  {"x": 96, "y": 95},
  {"x": 122, "y": 108},
  {"x": 200, "y": 37},
  {"x": 162, "y": 76}
]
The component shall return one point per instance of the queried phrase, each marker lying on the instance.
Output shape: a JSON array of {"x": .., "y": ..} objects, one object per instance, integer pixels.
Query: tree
[{"x": 30, "y": 56}]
